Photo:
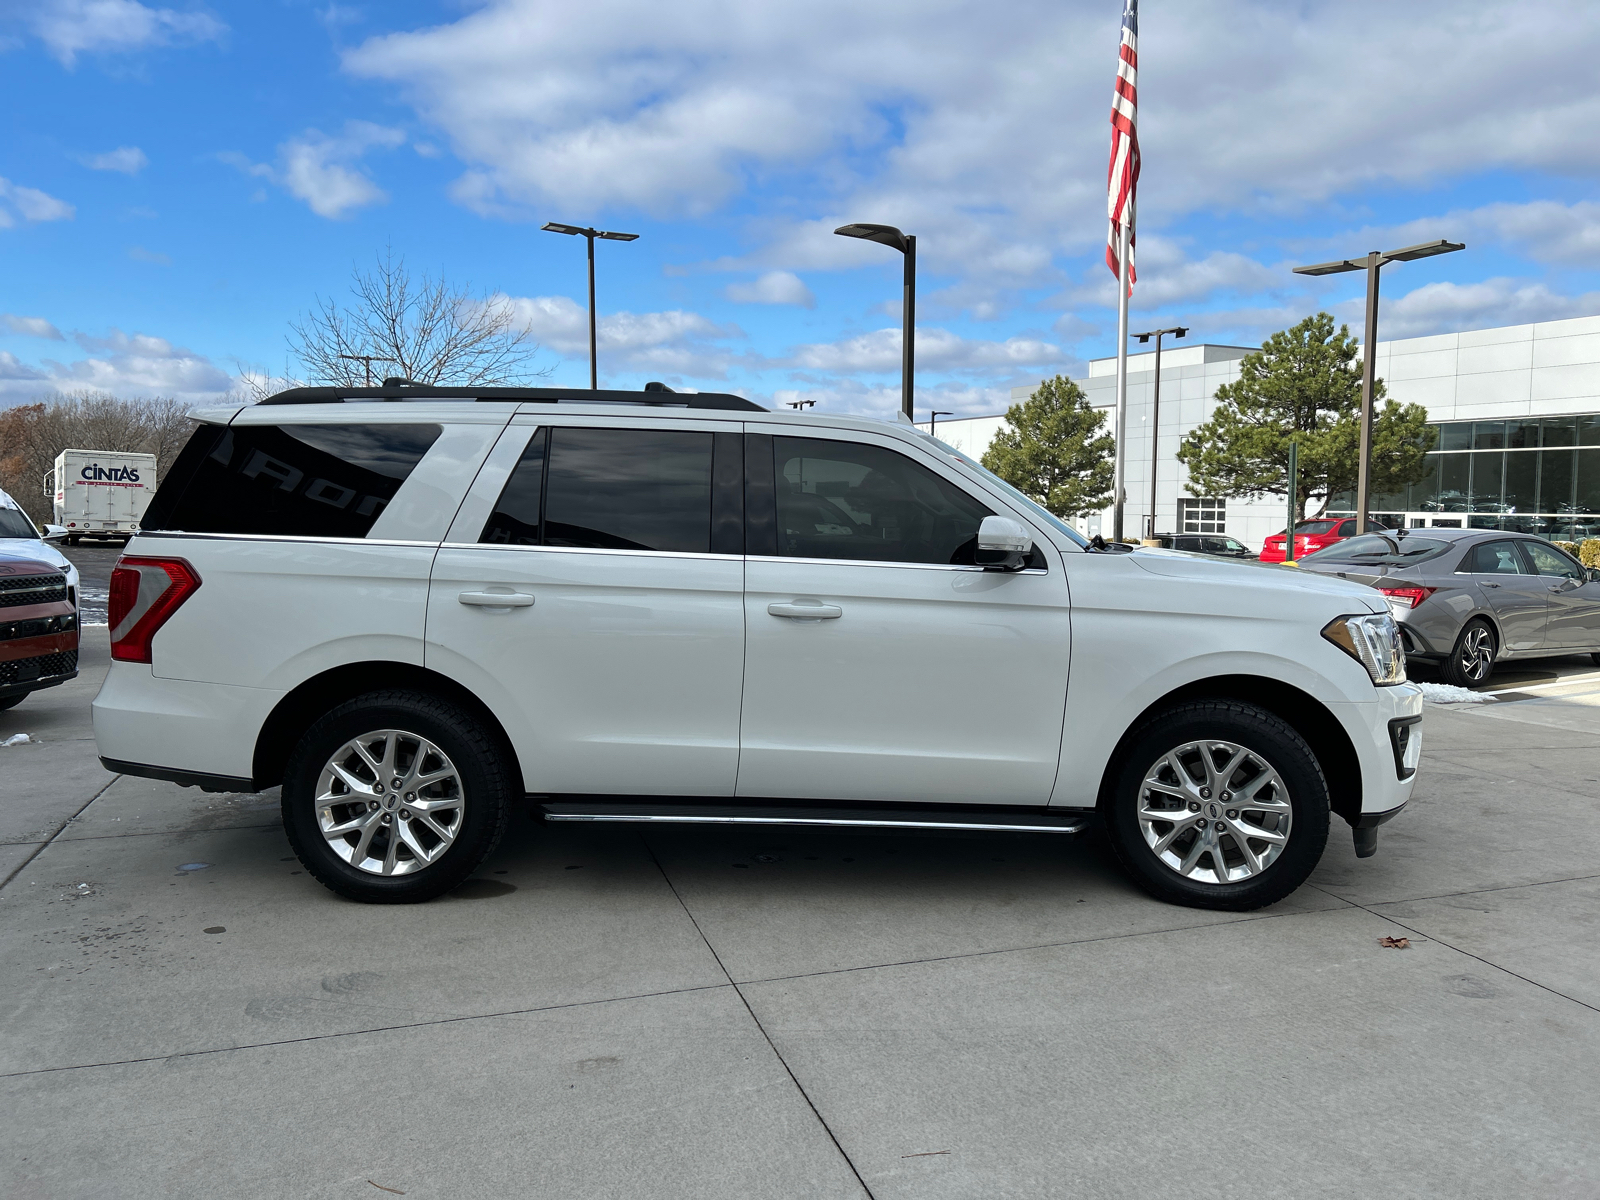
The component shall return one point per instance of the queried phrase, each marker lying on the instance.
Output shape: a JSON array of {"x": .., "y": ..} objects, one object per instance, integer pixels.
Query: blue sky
[{"x": 178, "y": 183}]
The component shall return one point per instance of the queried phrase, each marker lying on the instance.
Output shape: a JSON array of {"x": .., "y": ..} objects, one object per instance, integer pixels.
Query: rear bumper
[{"x": 178, "y": 729}]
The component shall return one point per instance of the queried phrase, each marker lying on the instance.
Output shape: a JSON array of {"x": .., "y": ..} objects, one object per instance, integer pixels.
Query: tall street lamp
[
  {"x": 590, "y": 234},
  {"x": 1374, "y": 260},
  {"x": 368, "y": 360},
  {"x": 1155, "y": 412},
  {"x": 888, "y": 235},
  {"x": 933, "y": 418}
]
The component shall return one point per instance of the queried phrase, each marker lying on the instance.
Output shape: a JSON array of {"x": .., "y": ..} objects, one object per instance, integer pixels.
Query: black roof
[{"x": 655, "y": 395}]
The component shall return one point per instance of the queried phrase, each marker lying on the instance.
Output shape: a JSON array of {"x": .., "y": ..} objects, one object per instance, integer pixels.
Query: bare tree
[
  {"x": 31, "y": 435},
  {"x": 429, "y": 332}
]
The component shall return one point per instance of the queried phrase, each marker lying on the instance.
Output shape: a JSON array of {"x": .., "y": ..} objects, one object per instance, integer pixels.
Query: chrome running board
[{"x": 964, "y": 820}]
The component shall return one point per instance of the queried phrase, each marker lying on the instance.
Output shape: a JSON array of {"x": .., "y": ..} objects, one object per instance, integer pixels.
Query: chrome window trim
[
  {"x": 303, "y": 539},
  {"x": 506, "y": 546}
]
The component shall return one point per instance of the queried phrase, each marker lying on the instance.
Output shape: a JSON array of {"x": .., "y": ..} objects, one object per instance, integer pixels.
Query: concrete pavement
[{"x": 709, "y": 1013}]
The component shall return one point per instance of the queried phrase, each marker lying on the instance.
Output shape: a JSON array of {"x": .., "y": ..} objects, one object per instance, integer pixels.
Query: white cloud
[
  {"x": 140, "y": 254},
  {"x": 1452, "y": 307},
  {"x": 679, "y": 344},
  {"x": 1167, "y": 277},
  {"x": 883, "y": 400},
  {"x": 30, "y": 327},
  {"x": 322, "y": 170},
  {"x": 30, "y": 204},
  {"x": 129, "y": 160},
  {"x": 775, "y": 287},
  {"x": 1547, "y": 231},
  {"x": 124, "y": 364},
  {"x": 937, "y": 349},
  {"x": 984, "y": 129},
  {"x": 72, "y": 27}
]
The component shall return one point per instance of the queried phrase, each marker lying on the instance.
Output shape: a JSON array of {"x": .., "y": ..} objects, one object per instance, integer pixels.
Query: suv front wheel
[
  {"x": 1218, "y": 804},
  {"x": 395, "y": 797}
]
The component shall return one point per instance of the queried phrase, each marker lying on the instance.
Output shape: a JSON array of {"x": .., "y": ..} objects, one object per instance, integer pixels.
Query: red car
[
  {"x": 1313, "y": 535},
  {"x": 38, "y": 629}
]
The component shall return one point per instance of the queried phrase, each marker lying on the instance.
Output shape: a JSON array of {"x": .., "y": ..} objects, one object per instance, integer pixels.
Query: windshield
[
  {"x": 1379, "y": 548},
  {"x": 1032, "y": 506},
  {"x": 14, "y": 523}
]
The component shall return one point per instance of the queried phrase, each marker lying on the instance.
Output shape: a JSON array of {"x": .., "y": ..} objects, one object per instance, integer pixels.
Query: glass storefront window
[
  {"x": 1589, "y": 430},
  {"x": 1522, "y": 435},
  {"x": 1588, "y": 481},
  {"x": 1555, "y": 481},
  {"x": 1455, "y": 435},
  {"x": 1488, "y": 477},
  {"x": 1561, "y": 431},
  {"x": 1425, "y": 492},
  {"x": 1455, "y": 471},
  {"x": 1521, "y": 493},
  {"x": 1488, "y": 435}
]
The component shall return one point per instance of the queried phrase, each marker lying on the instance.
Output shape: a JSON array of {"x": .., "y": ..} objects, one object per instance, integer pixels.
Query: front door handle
[
  {"x": 496, "y": 599},
  {"x": 805, "y": 612},
  {"x": 1489, "y": 585}
]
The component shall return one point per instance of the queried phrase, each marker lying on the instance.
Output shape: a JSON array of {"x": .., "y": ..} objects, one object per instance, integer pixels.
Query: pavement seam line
[
  {"x": 1505, "y": 887},
  {"x": 743, "y": 999},
  {"x": 345, "y": 1033},
  {"x": 1087, "y": 941},
  {"x": 40, "y": 848},
  {"x": 1543, "y": 987}
]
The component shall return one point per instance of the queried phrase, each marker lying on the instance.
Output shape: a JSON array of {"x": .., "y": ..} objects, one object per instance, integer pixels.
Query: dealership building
[{"x": 1518, "y": 411}]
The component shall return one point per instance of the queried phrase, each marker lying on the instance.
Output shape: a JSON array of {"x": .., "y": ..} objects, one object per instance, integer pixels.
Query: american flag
[{"x": 1122, "y": 176}]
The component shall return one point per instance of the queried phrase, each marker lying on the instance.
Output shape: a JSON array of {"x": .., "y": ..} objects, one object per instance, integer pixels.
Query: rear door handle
[
  {"x": 805, "y": 612},
  {"x": 1489, "y": 585},
  {"x": 496, "y": 599}
]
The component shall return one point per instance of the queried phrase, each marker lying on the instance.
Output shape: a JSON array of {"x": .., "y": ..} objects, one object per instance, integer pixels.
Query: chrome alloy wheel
[
  {"x": 1477, "y": 653},
  {"x": 1214, "y": 812},
  {"x": 389, "y": 802}
]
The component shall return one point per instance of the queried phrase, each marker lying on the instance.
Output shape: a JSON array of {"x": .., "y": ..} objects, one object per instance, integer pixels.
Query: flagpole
[{"x": 1117, "y": 488}]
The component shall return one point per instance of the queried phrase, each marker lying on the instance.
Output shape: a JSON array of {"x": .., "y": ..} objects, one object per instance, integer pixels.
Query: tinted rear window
[
  {"x": 1315, "y": 526},
  {"x": 1376, "y": 548},
  {"x": 300, "y": 480},
  {"x": 609, "y": 489}
]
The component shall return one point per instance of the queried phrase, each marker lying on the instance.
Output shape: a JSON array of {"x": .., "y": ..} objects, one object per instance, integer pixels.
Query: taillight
[
  {"x": 1410, "y": 597},
  {"x": 144, "y": 593}
]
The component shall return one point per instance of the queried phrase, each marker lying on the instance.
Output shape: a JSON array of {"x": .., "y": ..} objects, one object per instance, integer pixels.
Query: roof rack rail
[{"x": 655, "y": 396}]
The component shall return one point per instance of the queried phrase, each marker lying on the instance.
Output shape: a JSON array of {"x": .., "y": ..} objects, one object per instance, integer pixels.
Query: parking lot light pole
[
  {"x": 590, "y": 234},
  {"x": 888, "y": 235},
  {"x": 1155, "y": 412},
  {"x": 1371, "y": 264},
  {"x": 367, "y": 359},
  {"x": 933, "y": 419}
]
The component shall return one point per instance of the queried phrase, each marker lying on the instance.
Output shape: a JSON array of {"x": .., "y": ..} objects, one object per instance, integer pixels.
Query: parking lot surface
[{"x": 705, "y": 1013}]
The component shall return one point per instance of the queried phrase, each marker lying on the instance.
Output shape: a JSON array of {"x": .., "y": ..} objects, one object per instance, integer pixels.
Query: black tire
[
  {"x": 1270, "y": 741},
  {"x": 1595, "y": 658},
  {"x": 1465, "y": 666},
  {"x": 12, "y": 701},
  {"x": 484, "y": 786}
]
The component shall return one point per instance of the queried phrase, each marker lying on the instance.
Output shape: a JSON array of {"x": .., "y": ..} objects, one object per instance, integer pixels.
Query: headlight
[{"x": 1373, "y": 640}]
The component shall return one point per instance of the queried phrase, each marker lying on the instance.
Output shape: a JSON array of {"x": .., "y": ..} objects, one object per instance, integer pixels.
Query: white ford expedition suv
[{"x": 416, "y": 607}]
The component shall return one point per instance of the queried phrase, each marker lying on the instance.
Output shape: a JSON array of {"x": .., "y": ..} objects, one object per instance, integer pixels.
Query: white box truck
[{"x": 102, "y": 493}]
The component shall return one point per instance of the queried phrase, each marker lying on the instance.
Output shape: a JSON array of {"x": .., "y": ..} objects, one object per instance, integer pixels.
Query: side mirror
[
  {"x": 1592, "y": 574},
  {"x": 54, "y": 533},
  {"x": 1003, "y": 544}
]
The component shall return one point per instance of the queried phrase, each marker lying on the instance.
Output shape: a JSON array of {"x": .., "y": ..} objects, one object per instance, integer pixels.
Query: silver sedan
[{"x": 1469, "y": 598}]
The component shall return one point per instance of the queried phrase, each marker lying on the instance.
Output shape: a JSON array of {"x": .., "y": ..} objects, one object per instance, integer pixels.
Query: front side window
[
  {"x": 297, "y": 480},
  {"x": 1547, "y": 560},
  {"x": 608, "y": 489},
  {"x": 847, "y": 500},
  {"x": 1494, "y": 558}
]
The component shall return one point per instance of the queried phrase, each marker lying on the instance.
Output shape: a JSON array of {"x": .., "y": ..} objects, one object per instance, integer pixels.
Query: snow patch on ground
[{"x": 1443, "y": 693}]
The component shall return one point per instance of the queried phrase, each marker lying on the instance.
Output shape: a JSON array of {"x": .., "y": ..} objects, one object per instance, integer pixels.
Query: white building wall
[{"x": 1551, "y": 368}]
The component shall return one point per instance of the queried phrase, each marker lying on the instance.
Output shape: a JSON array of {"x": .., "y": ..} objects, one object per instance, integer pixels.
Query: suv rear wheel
[
  {"x": 1218, "y": 804},
  {"x": 395, "y": 797}
]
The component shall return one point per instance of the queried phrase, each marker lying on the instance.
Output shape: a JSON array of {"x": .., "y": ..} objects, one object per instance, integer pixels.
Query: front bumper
[{"x": 1387, "y": 735}]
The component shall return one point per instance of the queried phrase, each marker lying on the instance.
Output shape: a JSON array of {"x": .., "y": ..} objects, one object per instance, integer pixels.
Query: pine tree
[
  {"x": 1053, "y": 450},
  {"x": 1303, "y": 385}
]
